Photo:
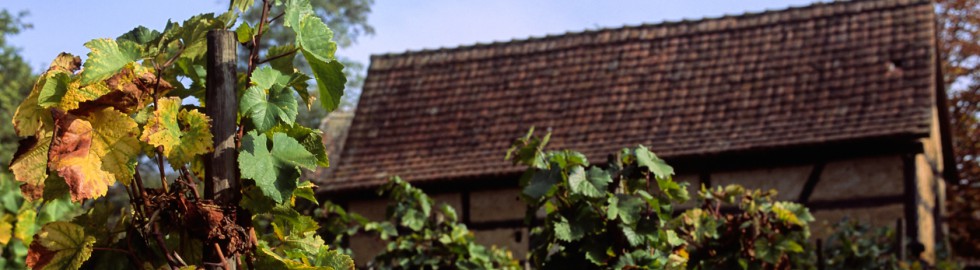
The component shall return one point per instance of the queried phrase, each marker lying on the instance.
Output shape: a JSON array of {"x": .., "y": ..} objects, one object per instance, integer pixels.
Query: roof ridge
[{"x": 885, "y": 4}]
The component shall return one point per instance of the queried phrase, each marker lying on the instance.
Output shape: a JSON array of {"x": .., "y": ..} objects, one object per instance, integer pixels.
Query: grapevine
[{"x": 140, "y": 99}]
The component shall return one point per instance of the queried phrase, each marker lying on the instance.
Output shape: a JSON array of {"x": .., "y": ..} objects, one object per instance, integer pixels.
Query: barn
[{"x": 836, "y": 105}]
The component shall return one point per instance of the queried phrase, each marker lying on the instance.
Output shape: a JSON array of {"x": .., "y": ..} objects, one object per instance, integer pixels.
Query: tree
[{"x": 959, "y": 34}]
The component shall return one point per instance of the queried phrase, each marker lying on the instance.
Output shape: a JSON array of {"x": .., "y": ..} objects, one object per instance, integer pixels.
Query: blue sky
[{"x": 64, "y": 25}]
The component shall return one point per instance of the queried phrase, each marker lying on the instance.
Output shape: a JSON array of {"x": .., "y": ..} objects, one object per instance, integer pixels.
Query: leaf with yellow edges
[
  {"x": 30, "y": 117},
  {"x": 29, "y": 164},
  {"x": 92, "y": 153},
  {"x": 26, "y": 218},
  {"x": 60, "y": 245},
  {"x": 182, "y": 134},
  {"x": 106, "y": 58}
]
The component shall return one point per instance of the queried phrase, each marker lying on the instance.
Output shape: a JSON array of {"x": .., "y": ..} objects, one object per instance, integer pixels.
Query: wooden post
[
  {"x": 821, "y": 261},
  {"x": 900, "y": 238},
  {"x": 221, "y": 168}
]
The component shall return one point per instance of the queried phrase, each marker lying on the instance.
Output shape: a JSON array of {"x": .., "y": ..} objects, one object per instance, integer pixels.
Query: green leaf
[
  {"x": 268, "y": 100},
  {"x": 244, "y": 32},
  {"x": 789, "y": 245},
  {"x": 315, "y": 38},
  {"x": 60, "y": 245},
  {"x": 333, "y": 258},
  {"x": 54, "y": 88},
  {"x": 139, "y": 35},
  {"x": 298, "y": 81},
  {"x": 295, "y": 11},
  {"x": 592, "y": 185},
  {"x": 311, "y": 139},
  {"x": 283, "y": 64},
  {"x": 414, "y": 219},
  {"x": 275, "y": 172},
  {"x": 792, "y": 213},
  {"x": 567, "y": 232},
  {"x": 305, "y": 191},
  {"x": 242, "y": 5},
  {"x": 632, "y": 237},
  {"x": 330, "y": 81},
  {"x": 673, "y": 239},
  {"x": 106, "y": 58},
  {"x": 625, "y": 207},
  {"x": 541, "y": 183},
  {"x": 648, "y": 159}
]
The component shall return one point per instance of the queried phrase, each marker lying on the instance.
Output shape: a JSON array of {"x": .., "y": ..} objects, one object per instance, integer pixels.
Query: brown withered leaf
[
  {"x": 65, "y": 62},
  {"x": 131, "y": 89}
]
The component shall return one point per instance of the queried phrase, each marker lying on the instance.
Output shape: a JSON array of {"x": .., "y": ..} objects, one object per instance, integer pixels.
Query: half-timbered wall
[{"x": 868, "y": 189}]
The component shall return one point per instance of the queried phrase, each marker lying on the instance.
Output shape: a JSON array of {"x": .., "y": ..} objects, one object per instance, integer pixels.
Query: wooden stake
[{"x": 221, "y": 168}]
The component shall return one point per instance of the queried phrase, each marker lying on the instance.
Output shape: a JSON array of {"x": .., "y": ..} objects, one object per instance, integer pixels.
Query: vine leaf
[
  {"x": 626, "y": 207},
  {"x": 311, "y": 139},
  {"x": 6, "y": 229},
  {"x": 330, "y": 81},
  {"x": 567, "y": 232},
  {"x": 592, "y": 184},
  {"x": 268, "y": 100},
  {"x": 30, "y": 116},
  {"x": 60, "y": 245},
  {"x": 183, "y": 134},
  {"x": 296, "y": 10},
  {"x": 26, "y": 219},
  {"x": 282, "y": 64},
  {"x": 275, "y": 172},
  {"x": 314, "y": 37},
  {"x": 65, "y": 62},
  {"x": 542, "y": 182},
  {"x": 648, "y": 159},
  {"x": 305, "y": 191},
  {"x": 140, "y": 35},
  {"x": 29, "y": 164},
  {"x": 53, "y": 89},
  {"x": 91, "y": 154},
  {"x": 106, "y": 58}
]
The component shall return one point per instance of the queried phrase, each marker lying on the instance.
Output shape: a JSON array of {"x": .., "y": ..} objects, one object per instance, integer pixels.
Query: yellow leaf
[
  {"x": 26, "y": 217},
  {"x": 6, "y": 229},
  {"x": 115, "y": 142},
  {"x": 183, "y": 135},
  {"x": 76, "y": 94},
  {"x": 92, "y": 153}
]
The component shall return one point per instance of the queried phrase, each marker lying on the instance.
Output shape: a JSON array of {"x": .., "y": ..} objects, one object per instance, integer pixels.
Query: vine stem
[
  {"x": 294, "y": 50},
  {"x": 171, "y": 260},
  {"x": 190, "y": 180},
  {"x": 253, "y": 61},
  {"x": 159, "y": 149},
  {"x": 224, "y": 263}
]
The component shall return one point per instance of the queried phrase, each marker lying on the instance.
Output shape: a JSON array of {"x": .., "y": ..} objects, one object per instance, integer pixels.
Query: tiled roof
[{"x": 824, "y": 73}]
